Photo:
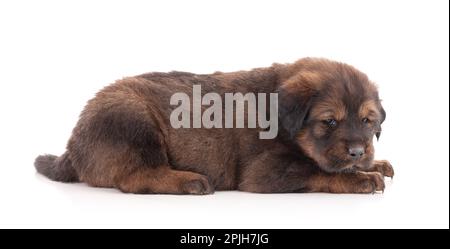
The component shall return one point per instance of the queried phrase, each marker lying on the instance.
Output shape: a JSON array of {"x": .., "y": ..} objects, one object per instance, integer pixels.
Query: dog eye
[
  {"x": 365, "y": 120},
  {"x": 330, "y": 122}
]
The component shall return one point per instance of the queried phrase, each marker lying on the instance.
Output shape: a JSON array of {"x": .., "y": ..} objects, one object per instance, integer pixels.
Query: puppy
[{"x": 329, "y": 113}]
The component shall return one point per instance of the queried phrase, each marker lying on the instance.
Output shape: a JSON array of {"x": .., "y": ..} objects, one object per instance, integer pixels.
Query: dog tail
[{"x": 56, "y": 168}]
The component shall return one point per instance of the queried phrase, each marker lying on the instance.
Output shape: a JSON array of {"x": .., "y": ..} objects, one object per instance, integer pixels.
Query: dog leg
[
  {"x": 381, "y": 166},
  {"x": 164, "y": 180},
  {"x": 357, "y": 182},
  {"x": 268, "y": 175}
]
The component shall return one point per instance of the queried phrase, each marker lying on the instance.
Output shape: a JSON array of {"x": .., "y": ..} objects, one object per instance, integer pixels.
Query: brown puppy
[{"x": 328, "y": 115}]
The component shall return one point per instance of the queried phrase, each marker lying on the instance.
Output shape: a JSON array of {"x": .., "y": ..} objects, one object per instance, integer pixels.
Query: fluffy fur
[{"x": 329, "y": 113}]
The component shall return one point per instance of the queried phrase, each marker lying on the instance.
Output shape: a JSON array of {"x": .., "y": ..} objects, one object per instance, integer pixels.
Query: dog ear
[
  {"x": 378, "y": 134},
  {"x": 294, "y": 105},
  {"x": 383, "y": 117}
]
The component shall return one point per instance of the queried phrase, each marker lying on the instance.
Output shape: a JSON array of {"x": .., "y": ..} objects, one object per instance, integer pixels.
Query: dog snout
[{"x": 356, "y": 152}]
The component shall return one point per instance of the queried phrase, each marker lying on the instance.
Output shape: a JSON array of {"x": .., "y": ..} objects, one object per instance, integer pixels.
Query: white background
[{"x": 54, "y": 56}]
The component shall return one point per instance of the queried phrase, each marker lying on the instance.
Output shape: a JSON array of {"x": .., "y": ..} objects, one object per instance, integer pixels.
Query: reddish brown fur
[
  {"x": 370, "y": 110},
  {"x": 124, "y": 139}
]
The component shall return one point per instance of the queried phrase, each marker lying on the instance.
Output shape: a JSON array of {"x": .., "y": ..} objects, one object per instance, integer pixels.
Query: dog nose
[{"x": 356, "y": 152}]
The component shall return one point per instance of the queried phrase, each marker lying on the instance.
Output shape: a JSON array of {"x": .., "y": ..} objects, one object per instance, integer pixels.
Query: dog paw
[
  {"x": 199, "y": 186},
  {"x": 384, "y": 167},
  {"x": 369, "y": 182}
]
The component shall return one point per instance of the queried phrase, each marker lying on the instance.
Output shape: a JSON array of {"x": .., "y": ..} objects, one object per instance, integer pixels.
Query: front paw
[
  {"x": 384, "y": 167},
  {"x": 368, "y": 182},
  {"x": 358, "y": 183}
]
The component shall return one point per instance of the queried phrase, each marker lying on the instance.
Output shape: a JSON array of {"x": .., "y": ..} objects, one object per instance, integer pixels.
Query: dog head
[{"x": 332, "y": 111}]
